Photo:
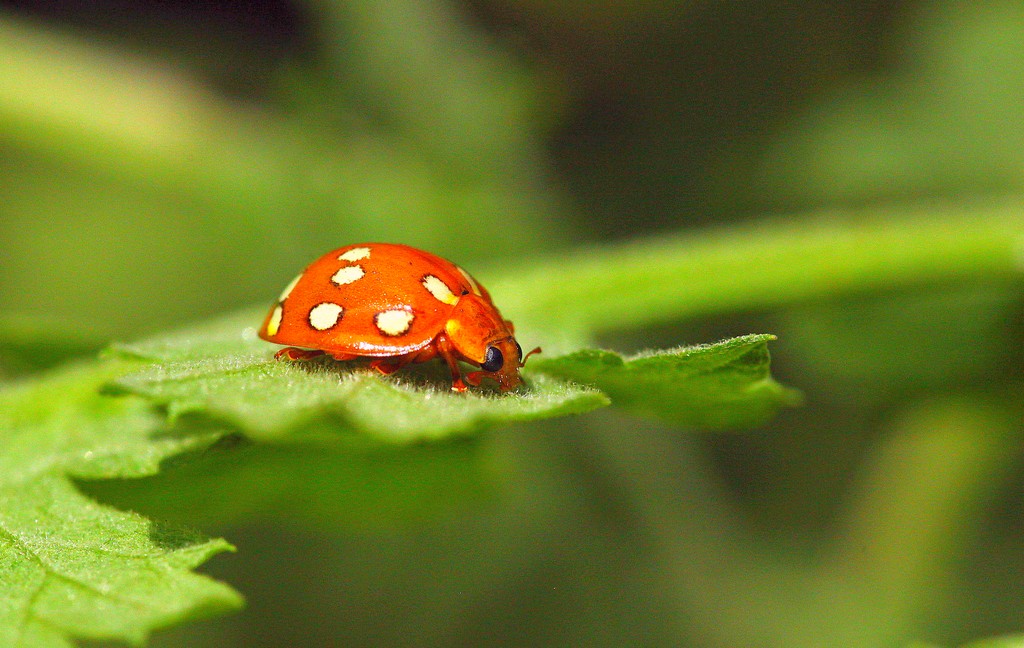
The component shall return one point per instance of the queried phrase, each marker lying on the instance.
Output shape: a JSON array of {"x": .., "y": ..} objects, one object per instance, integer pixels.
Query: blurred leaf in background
[
  {"x": 945, "y": 123},
  {"x": 213, "y": 198},
  {"x": 642, "y": 175}
]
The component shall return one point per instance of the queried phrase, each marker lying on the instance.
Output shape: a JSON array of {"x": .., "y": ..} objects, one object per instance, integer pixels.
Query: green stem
[{"x": 766, "y": 264}]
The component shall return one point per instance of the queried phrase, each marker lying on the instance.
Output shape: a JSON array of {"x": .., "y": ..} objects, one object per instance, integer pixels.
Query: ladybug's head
[
  {"x": 481, "y": 336},
  {"x": 502, "y": 362}
]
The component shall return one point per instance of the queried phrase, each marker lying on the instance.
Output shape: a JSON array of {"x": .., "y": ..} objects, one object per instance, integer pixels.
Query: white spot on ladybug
[
  {"x": 355, "y": 254},
  {"x": 472, "y": 282},
  {"x": 347, "y": 275},
  {"x": 439, "y": 290},
  {"x": 324, "y": 316},
  {"x": 393, "y": 322},
  {"x": 288, "y": 290},
  {"x": 275, "y": 321}
]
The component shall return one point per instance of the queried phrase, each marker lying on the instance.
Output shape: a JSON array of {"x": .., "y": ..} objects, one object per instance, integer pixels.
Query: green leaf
[
  {"x": 723, "y": 385},
  {"x": 68, "y": 566},
  {"x": 267, "y": 399},
  {"x": 220, "y": 371}
]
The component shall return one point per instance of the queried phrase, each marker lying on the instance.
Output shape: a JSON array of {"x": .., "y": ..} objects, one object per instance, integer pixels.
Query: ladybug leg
[
  {"x": 453, "y": 365},
  {"x": 444, "y": 349},
  {"x": 387, "y": 368},
  {"x": 292, "y": 353}
]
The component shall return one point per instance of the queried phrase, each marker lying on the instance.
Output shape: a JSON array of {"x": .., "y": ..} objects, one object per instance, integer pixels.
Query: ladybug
[{"x": 398, "y": 305}]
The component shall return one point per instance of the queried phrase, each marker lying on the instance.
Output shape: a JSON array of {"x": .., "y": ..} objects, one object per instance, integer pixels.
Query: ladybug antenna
[{"x": 523, "y": 361}]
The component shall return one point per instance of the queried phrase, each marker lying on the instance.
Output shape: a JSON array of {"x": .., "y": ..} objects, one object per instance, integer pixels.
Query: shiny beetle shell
[{"x": 398, "y": 305}]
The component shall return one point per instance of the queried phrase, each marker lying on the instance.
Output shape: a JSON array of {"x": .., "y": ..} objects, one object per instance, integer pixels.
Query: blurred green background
[{"x": 166, "y": 161}]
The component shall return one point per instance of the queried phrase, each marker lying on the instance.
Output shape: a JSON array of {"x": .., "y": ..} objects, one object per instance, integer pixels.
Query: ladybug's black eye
[
  {"x": 493, "y": 360},
  {"x": 520, "y": 350}
]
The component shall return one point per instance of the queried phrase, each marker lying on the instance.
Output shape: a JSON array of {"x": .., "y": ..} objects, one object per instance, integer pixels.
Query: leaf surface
[
  {"x": 268, "y": 399},
  {"x": 222, "y": 372},
  {"x": 70, "y": 567},
  {"x": 723, "y": 385}
]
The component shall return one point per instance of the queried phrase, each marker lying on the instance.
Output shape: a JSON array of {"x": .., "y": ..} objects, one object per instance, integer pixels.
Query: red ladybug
[{"x": 399, "y": 305}]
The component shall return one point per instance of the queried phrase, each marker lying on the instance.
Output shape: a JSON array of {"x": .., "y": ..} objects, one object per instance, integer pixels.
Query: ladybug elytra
[{"x": 398, "y": 305}]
